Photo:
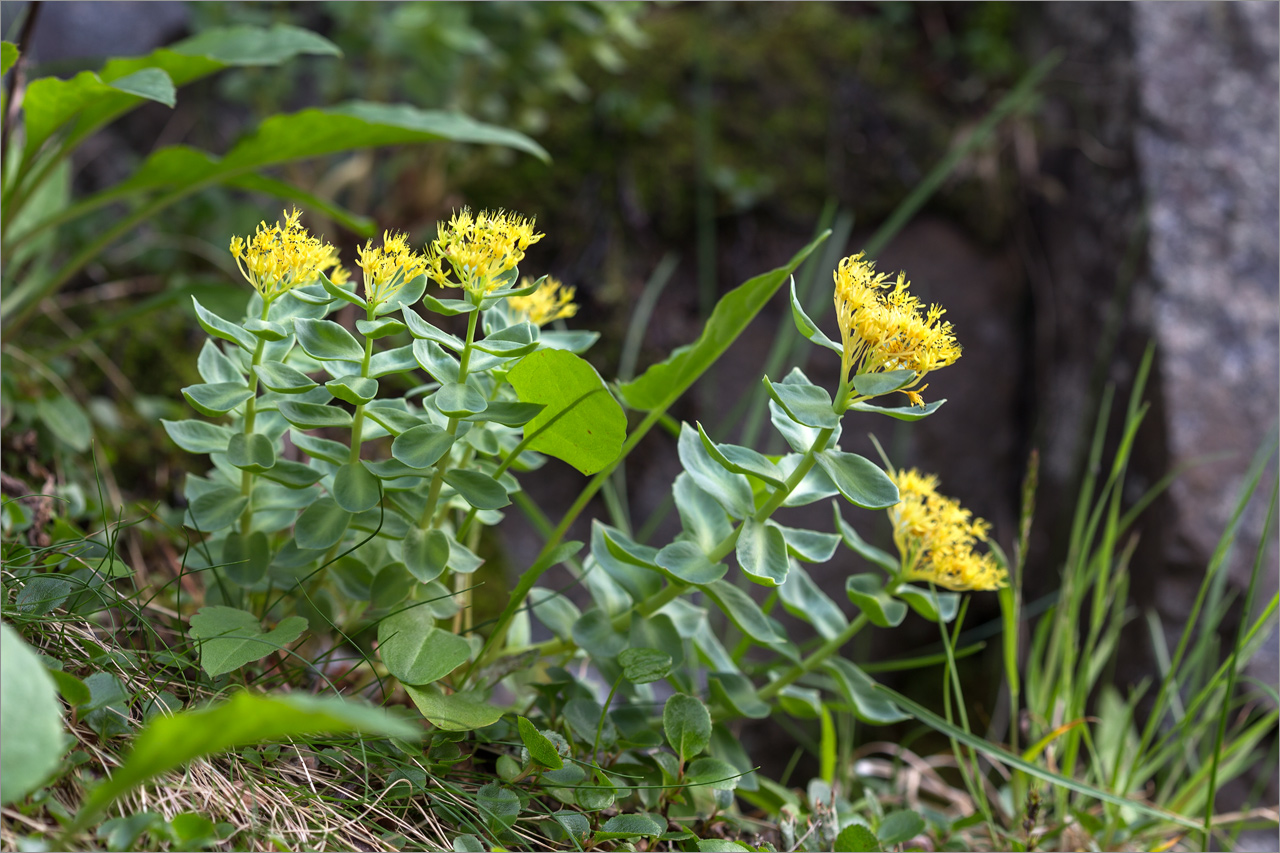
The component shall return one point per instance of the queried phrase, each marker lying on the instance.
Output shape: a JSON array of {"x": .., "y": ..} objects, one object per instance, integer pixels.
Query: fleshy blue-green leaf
[
  {"x": 660, "y": 385},
  {"x": 860, "y": 480},
  {"x": 807, "y": 327},
  {"x": 254, "y": 452},
  {"x": 314, "y": 415},
  {"x": 456, "y": 400},
  {"x": 426, "y": 553},
  {"x": 810, "y": 545},
  {"x": 246, "y": 558},
  {"x": 803, "y": 598},
  {"x": 931, "y": 605},
  {"x": 217, "y": 508},
  {"x": 702, "y": 516},
  {"x": 231, "y": 638},
  {"x": 742, "y": 460},
  {"x": 749, "y": 618},
  {"x": 198, "y": 436},
  {"x": 736, "y": 693},
  {"x": 580, "y": 423},
  {"x": 220, "y": 328},
  {"x": 762, "y": 553},
  {"x": 731, "y": 490},
  {"x": 282, "y": 378},
  {"x": 856, "y": 687},
  {"x": 808, "y": 405},
  {"x": 31, "y": 735},
  {"x": 686, "y": 561},
  {"x": 867, "y": 591},
  {"x": 477, "y": 489},
  {"x": 904, "y": 413},
  {"x": 326, "y": 340},
  {"x": 321, "y": 525},
  {"x": 875, "y": 384},
  {"x": 861, "y": 547},
  {"x": 355, "y": 488},
  {"x": 421, "y": 446},
  {"x": 216, "y": 399},
  {"x": 356, "y": 390}
]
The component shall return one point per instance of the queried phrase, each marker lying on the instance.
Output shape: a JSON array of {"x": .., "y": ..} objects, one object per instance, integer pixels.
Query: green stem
[
  {"x": 437, "y": 479},
  {"x": 357, "y": 421},
  {"x": 250, "y": 417},
  {"x": 810, "y": 663}
]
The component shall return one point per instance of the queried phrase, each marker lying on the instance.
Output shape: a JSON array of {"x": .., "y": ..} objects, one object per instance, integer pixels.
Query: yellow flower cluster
[
  {"x": 389, "y": 267},
  {"x": 551, "y": 301},
  {"x": 936, "y": 536},
  {"x": 883, "y": 327},
  {"x": 278, "y": 258},
  {"x": 479, "y": 248}
]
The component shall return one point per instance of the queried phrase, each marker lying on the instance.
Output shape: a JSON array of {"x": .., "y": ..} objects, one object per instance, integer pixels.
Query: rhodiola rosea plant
[{"x": 354, "y": 472}]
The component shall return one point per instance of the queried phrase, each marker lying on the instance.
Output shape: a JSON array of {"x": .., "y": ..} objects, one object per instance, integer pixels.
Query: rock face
[{"x": 1208, "y": 149}]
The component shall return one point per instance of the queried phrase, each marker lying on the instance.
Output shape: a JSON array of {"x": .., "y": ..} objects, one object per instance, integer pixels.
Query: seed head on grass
[
  {"x": 277, "y": 258},
  {"x": 936, "y": 537},
  {"x": 883, "y": 327},
  {"x": 551, "y": 301},
  {"x": 479, "y": 248}
]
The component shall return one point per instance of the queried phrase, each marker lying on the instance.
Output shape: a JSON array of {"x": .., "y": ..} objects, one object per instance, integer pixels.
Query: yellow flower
[
  {"x": 883, "y": 327},
  {"x": 283, "y": 256},
  {"x": 479, "y": 248},
  {"x": 936, "y": 537},
  {"x": 389, "y": 267},
  {"x": 551, "y": 301}
]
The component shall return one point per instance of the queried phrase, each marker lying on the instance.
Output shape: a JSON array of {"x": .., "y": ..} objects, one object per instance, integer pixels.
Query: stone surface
[{"x": 1208, "y": 152}]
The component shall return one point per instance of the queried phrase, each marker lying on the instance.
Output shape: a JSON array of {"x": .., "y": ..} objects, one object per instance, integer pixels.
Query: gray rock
[{"x": 1208, "y": 150}]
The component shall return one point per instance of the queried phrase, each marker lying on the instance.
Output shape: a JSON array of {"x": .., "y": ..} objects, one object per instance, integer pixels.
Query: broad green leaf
[
  {"x": 168, "y": 742},
  {"x": 762, "y": 553},
  {"x": 628, "y": 826},
  {"x": 686, "y": 561},
  {"x": 314, "y": 415},
  {"x": 735, "y": 692},
  {"x": 540, "y": 748},
  {"x": 687, "y": 725},
  {"x": 742, "y": 460},
  {"x": 282, "y": 378},
  {"x": 663, "y": 383},
  {"x": 867, "y": 591},
  {"x": 904, "y": 413},
  {"x": 581, "y": 423},
  {"x": 500, "y": 806},
  {"x": 583, "y": 716},
  {"x": 8, "y": 55},
  {"x": 803, "y": 598},
  {"x": 860, "y": 480},
  {"x": 731, "y": 490},
  {"x": 875, "y": 384},
  {"x": 361, "y": 226},
  {"x": 74, "y": 691},
  {"x": 31, "y": 735},
  {"x": 426, "y": 553},
  {"x": 246, "y": 558},
  {"x": 354, "y": 389},
  {"x": 415, "y": 650},
  {"x": 321, "y": 525},
  {"x": 808, "y": 405},
  {"x": 575, "y": 826},
  {"x": 315, "y": 132},
  {"x": 469, "y": 844},
  {"x": 453, "y": 712},
  {"x": 642, "y": 666},
  {"x": 326, "y": 340},
  {"x": 215, "y": 400},
  {"x": 456, "y": 400},
  {"x": 899, "y": 827},
  {"x": 232, "y": 638},
  {"x": 749, "y": 618},
  {"x": 254, "y": 453},
  {"x": 861, "y": 547},
  {"x": 50, "y": 102},
  {"x": 701, "y": 515},
  {"x": 215, "y": 509},
  {"x": 719, "y": 845},
  {"x": 857, "y": 688},
  {"x": 41, "y": 594},
  {"x": 554, "y": 610},
  {"x": 67, "y": 420},
  {"x": 856, "y": 838},
  {"x": 355, "y": 488},
  {"x": 714, "y": 773},
  {"x": 220, "y": 328},
  {"x": 479, "y": 490},
  {"x": 421, "y": 446},
  {"x": 807, "y": 327}
]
